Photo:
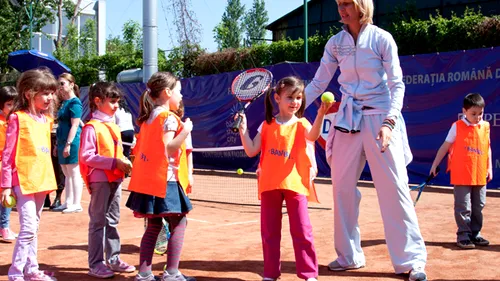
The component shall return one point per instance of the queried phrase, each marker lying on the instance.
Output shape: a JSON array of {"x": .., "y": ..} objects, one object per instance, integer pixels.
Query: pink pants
[
  {"x": 300, "y": 230},
  {"x": 24, "y": 258}
]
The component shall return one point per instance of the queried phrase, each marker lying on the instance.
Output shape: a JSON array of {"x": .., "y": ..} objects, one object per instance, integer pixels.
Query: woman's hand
[
  {"x": 384, "y": 135},
  {"x": 67, "y": 150}
]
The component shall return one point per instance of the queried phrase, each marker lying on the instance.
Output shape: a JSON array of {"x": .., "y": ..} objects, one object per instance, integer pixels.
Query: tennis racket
[
  {"x": 162, "y": 240},
  {"x": 247, "y": 87},
  {"x": 416, "y": 191}
]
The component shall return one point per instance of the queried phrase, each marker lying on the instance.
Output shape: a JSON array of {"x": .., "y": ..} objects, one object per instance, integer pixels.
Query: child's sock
[
  {"x": 177, "y": 230},
  {"x": 148, "y": 242}
]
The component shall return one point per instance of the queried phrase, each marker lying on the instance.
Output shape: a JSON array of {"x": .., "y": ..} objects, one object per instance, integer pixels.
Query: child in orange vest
[
  {"x": 103, "y": 167},
  {"x": 27, "y": 170},
  {"x": 470, "y": 166},
  {"x": 7, "y": 95},
  {"x": 159, "y": 180},
  {"x": 286, "y": 171}
]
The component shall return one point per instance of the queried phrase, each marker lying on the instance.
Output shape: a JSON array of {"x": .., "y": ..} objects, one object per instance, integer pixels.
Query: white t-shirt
[
  {"x": 289, "y": 122},
  {"x": 452, "y": 133},
  {"x": 124, "y": 120}
]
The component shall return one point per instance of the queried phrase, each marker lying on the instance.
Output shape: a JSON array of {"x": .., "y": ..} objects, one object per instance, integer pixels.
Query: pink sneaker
[
  {"x": 39, "y": 276},
  {"x": 7, "y": 234},
  {"x": 121, "y": 266},
  {"x": 101, "y": 271}
]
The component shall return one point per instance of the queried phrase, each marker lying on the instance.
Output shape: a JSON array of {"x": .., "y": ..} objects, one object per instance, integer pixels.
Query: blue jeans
[{"x": 4, "y": 216}]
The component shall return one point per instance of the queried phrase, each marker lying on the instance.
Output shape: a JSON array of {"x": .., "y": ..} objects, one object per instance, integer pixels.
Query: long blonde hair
[{"x": 31, "y": 83}]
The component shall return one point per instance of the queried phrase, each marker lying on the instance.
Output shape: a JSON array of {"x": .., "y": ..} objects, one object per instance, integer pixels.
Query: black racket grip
[
  {"x": 236, "y": 124},
  {"x": 432, "y": 176}
]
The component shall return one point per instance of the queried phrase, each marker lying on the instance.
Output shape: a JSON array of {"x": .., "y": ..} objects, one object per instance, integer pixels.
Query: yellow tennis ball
[
  {"x": 239, "y": 171},
  {"x": 9, "y": 202},
  {"x": 327, "y": 97}
]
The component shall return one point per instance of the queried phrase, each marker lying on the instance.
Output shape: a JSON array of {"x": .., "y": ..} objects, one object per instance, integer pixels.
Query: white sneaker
[
  {"x": 176, "y": 277},
  {"x": 312, "y": 279},
  {"x": 418, "y": 274},
  {"x": 72, "y": 209}
]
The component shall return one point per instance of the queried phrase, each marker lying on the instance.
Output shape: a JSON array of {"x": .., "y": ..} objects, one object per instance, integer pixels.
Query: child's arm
[
  {"x": 313, "y": 133},
  {"x": 173, "y": 142},
  {"x": 252, "y": 147},
  {"x": 490, "y": 166},
  {"x": 443, "y": 150},
  {"x": 88, "y": 151},
  {"x": 8, "y": 156}
]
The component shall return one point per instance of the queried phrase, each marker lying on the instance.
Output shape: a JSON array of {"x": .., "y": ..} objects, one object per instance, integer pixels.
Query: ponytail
[
  {"x": 146, "y": 106},
  {"x": 76, "y": 90},
  {"x": 269, "y": 105}
]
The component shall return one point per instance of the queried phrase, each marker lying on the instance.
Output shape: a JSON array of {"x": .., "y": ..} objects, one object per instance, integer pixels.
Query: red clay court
[{"x": 223, "y": 240}]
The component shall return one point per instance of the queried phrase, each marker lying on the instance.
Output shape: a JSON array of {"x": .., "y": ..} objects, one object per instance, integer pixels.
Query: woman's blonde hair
[{"x": 365, "y": 8}]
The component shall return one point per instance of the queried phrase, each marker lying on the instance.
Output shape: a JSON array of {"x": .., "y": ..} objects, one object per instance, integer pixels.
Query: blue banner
[{"x": 435, "y": 87}]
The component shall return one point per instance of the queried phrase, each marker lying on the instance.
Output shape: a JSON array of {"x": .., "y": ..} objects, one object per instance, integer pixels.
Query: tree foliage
[
  {"x": 255, "y": 22},
  {"x": 229, "y": 32},
  {"x": 15, "y": 22}
]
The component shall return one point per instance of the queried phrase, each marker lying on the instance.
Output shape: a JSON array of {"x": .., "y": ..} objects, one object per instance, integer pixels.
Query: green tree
[
  {"x": 255, "y": 22},
  {"x": 15, "y": 22},
  {"x": 132, "y": 35},
  {"x": 229, "y": 32},
  {"x": 88, "y": 38}
]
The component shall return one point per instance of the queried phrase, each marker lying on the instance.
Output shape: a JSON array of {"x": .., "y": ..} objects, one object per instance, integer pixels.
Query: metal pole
[
  {"x": 150, "y": 39},
  {"x": 31, "y": 22},
  {"x": 306, "y": 33}
]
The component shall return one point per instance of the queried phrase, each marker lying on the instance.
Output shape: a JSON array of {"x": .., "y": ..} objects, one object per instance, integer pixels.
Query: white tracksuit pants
[{"x": 349, "y": 155}]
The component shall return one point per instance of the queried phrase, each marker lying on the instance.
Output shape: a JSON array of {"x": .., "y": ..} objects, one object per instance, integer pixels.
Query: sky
[{"x": 207, "y": 12}]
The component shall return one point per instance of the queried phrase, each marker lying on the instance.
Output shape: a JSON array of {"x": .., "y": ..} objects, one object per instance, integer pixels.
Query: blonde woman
[{"x": 369, "y": 127}]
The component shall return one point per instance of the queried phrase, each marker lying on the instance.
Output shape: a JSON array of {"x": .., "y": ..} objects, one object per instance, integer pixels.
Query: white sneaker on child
[
  {"x": 7, "y": 234},
  {"x": 150, "y": 277},
  {"x": 39, "y": 276},
  {"x": 418, "y": 274},
  {"x": 176, "y": 277}
]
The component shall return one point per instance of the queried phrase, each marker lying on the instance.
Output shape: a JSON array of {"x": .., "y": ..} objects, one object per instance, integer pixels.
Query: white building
[{"x": 44, "y": 41}]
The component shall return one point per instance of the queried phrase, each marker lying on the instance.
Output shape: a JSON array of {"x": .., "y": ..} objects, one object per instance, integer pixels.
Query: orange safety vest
[
  {"x": 287, "y": 160},
  {"x": 468, "y": 156},
  {"x": 149, "y": 173},
  {"x": 3, "y": 133},
  {"x": 183, "y": 171},
  {"x": 32, "y": 160},
  {"x": 109, "y": 144}
]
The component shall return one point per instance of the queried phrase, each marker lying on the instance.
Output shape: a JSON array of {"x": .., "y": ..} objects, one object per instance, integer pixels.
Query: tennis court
[{"x": 223, "y": 240}]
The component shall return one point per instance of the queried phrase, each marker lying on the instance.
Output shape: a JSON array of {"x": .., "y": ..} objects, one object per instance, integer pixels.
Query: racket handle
[{"x": 236, "y": 124}]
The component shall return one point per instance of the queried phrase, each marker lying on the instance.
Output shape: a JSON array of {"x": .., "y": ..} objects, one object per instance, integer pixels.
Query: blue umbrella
[{"x": 29, "y": 59}]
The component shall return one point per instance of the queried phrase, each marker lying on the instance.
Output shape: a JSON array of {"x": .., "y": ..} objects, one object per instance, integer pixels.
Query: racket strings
[{"x": 251, "y": 84}]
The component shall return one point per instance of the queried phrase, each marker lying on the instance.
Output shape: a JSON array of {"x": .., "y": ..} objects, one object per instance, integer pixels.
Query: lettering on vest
[
  {"x": 44, "y": 149},
  {"x": 143, "y": 157},
  {"x": 280, "y": 153},
  {"x": 474, "y": 150}
]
